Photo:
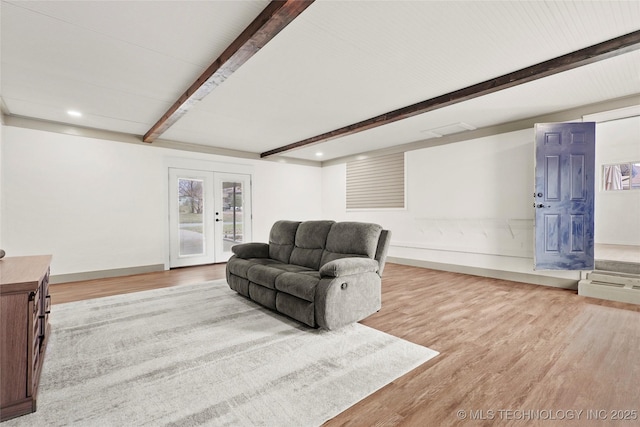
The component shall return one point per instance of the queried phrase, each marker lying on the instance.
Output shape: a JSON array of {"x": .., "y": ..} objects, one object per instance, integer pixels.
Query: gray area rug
[{"x": 203, "y": 355}]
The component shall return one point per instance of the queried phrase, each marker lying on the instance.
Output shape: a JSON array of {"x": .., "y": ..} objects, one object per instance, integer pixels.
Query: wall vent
[{"x": 448, "y": 129}]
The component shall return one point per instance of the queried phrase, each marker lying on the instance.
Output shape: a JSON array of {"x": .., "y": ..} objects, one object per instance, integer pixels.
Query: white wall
[
  {"x": 469, "y": 204},
  {"x": 284, "y": 191},
  {"x": 617, "y": 213},
  {"x": 100, "y": 205}
]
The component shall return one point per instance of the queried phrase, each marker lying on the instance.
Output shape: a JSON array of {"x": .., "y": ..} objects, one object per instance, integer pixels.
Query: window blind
[{"x": 377, "y": 182}]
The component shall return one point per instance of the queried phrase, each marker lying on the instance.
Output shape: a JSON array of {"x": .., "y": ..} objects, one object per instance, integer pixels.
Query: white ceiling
[{"x": 124, "y": 63}]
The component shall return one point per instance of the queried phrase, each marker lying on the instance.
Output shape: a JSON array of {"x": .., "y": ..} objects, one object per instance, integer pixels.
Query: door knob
[
  {"x": 218, "y": 219},
  {"x": 539, "y": 194},
  {"x": 540, "y": 206}
]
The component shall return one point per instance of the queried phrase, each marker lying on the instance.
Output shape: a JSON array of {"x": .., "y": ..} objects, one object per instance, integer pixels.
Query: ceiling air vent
[{"x": 448, "y": 129}]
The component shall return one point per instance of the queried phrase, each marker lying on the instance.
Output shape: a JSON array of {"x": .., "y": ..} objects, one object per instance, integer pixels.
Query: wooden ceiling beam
[
  {"x": 588, "y": 55},
  {"x": 277, "y": 15}
]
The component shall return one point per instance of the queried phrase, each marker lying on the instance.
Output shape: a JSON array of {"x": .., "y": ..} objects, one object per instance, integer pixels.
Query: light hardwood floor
[
  {"x": 508, "y": 350},
  {"x": 76, "y": 291}
]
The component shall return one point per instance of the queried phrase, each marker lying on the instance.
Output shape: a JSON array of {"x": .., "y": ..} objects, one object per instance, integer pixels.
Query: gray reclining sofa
[{"x": 325, "y": 274}]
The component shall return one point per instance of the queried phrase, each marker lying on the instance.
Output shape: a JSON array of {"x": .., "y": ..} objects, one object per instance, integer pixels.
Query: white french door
[
  {"x": 209, "y": 212},
  {"x": 191, "y": 217},
  {"x": 233, "y": 212}
]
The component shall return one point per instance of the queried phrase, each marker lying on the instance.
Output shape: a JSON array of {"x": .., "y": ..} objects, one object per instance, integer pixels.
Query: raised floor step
[
  {"x": 611, "y": 285},
  {"x": 623, "y": 279},
  {"x": 618, "y": 266}
]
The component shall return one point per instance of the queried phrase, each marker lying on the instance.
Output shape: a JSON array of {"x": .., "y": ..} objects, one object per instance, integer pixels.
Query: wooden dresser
[{"x": 24, "y": 331}]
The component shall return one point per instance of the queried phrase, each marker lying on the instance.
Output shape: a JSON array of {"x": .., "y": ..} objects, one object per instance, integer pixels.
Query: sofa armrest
[
  {"x": 251, "y": 250},
  {"x": 343, "y": 300},
  {"x": 348, "y": 266}
]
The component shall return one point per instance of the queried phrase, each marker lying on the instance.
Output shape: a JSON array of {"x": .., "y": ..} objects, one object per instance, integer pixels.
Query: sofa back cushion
[
  {"x": 311, "y": 239},
  {"x": 349, "y": 239},
  {"x": 282, "y": 239}
]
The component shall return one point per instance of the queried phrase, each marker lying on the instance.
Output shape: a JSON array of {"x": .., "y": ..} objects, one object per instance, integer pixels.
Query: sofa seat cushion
[
  {"x": 264, "y": 275},
  {"x": 302, "y": 285},
  {"x": 240, "y": 267},
  {"x": 292, "y": 268}
]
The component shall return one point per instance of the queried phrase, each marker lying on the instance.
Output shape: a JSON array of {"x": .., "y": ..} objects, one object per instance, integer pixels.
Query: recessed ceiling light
[
  {"x": 74, "y": 113},
  {"x": 319, "y": 154}
]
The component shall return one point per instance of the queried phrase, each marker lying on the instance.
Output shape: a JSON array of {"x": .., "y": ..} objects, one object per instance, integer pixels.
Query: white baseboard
[
  {"x": 556, "y": 282},
  {"x": 103, "y": 274}
]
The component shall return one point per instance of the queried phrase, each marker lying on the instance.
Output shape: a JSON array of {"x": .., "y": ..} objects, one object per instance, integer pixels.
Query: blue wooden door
[{"x": 563, "y": 198}]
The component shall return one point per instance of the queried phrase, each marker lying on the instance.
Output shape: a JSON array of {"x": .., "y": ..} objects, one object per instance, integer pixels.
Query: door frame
[{"x": 196, "y": 164}]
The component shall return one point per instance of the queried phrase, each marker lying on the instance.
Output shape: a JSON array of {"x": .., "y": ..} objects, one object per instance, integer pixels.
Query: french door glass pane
[
  {"x": 232, "y": 213},
  {"x": 191, "y": 215}
]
